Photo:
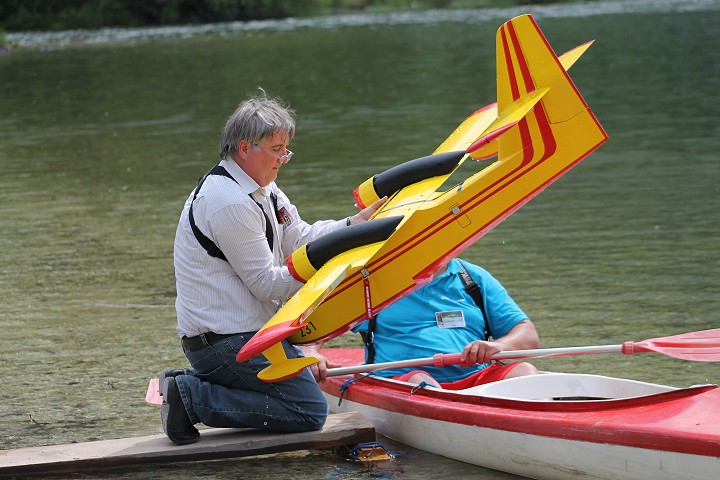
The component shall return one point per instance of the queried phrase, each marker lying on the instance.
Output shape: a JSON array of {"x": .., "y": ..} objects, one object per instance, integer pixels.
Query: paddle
[{"x": 702, "y": 346}]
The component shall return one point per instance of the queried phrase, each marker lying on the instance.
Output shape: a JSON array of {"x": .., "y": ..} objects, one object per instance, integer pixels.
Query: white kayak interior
[
  {"x": 549, "y": 386},
  {"x": 566, "y": 386}
]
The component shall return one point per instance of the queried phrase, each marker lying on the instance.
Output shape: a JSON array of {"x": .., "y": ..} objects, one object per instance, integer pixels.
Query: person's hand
[
  {"x": 478, "y": 351},
  {"x": 367, "y": 212},
  {"x": 319, "y": 370}
]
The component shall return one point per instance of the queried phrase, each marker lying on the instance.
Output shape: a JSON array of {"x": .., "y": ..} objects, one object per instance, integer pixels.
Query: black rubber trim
[
  {"x": 328, "y": 246},
  {"x": 413, "y": 171}
]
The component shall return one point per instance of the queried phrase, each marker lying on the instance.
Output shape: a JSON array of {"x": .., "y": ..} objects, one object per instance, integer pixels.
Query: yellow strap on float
[
  {"x": 365, "y": 194},
  {"x": 299, "y": 265}
]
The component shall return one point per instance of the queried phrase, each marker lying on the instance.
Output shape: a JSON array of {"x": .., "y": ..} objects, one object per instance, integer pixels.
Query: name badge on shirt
[
  {"x": 450, "y": 319},
  {"x": 284, "y": 217}
]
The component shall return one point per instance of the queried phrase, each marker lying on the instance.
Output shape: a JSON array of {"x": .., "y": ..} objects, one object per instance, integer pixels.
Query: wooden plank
[{"x": 216, "y": 443}]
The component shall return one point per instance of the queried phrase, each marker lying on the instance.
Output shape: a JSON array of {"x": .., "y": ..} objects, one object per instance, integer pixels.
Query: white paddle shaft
[{"x": 440, "y": 359}]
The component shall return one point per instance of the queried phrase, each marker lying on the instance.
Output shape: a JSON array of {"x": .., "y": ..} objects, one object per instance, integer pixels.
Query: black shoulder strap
[
  {"x": 279, "y": 217},
  {"x": 209, "y": 246},
  {"x": 268, "y": 228},
  {"x": 368, "y": 338},
  {"x": 473, "y": 289}
]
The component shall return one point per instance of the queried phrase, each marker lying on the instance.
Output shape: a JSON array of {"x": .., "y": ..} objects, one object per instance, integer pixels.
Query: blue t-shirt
[{"x": 441, "y": 317}]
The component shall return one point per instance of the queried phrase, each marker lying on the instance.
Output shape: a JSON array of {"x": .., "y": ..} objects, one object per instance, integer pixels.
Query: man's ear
[{"x": 243, "y": 148}]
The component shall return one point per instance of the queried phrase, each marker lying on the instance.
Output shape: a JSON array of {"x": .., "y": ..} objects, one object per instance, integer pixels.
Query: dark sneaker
[
  {"x": 168, "y": 372},
  {"x": 175, "y": 421}
]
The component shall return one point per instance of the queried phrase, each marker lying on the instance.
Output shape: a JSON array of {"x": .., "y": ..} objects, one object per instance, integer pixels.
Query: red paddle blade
[{"x": 702, "y": 346}]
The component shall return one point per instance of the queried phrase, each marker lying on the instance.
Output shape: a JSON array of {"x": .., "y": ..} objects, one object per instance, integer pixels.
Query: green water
[{"x": 102, "y": 137}]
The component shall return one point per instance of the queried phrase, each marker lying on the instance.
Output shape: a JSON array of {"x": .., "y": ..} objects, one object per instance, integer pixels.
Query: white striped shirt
[{"x": 239, "y": 295}]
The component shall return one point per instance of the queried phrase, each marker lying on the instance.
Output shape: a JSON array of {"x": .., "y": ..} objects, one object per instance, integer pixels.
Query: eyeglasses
[{"x": 285, "y": 158}]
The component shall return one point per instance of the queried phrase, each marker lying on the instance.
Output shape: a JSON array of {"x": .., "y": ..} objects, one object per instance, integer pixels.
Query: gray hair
[{"x": 255, "y": 119}]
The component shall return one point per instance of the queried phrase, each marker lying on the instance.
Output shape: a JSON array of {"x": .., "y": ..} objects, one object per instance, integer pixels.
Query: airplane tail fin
[{"x": 526, "y": 65}]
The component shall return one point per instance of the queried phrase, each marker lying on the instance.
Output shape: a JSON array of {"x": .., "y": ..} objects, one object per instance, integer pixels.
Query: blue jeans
[{"x": 221, "y": 392}]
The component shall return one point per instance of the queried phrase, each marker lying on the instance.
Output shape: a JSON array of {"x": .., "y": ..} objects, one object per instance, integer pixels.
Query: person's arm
[
  {"x": 300, "y": 232},
  {"x": 239, "y": 231},
  {"x": 522, "y": 336}
]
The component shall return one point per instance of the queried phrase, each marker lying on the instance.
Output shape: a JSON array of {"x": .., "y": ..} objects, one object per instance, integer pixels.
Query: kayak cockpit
[{"x": 566, "y": 387}]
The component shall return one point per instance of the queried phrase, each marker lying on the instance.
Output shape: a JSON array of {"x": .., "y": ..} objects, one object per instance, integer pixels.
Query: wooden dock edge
[{"x": 214, "y": 444}]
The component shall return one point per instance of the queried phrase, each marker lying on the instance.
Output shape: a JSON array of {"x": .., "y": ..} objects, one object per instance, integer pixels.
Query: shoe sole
[{"x": 165, "y": 412}]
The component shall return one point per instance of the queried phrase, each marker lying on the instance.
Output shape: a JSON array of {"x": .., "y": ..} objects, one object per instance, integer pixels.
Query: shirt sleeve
[
  {"x": 502, "y": 311},
  {"x": 239, "y": 231}
]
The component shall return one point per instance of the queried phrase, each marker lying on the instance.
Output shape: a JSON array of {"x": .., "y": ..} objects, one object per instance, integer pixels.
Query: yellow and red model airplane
[{"x": 539, "y": 128}]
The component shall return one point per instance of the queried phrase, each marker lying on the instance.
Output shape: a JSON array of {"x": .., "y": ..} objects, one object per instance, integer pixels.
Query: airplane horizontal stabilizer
[{"x": 282, "y": 367}]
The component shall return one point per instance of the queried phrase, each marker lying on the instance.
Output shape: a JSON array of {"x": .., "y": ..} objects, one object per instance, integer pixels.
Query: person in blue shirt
[{"x": 442, "y": 317}]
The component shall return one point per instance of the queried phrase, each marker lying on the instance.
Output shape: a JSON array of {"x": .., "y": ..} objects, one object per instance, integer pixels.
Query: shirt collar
[
  {"x": 453, "y": 267},
  {"x": 246, "y": 183}
]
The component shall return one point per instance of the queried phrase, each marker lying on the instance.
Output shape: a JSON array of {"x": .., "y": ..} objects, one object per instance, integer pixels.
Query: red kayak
[{"x": 549, "y": 426}]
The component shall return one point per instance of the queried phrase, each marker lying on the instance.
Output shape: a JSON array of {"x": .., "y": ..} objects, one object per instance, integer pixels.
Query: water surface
[{"x": 104, "y": 134}]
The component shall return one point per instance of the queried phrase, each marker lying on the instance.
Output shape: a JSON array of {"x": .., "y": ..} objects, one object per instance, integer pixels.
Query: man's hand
[
  {"x": 478, "y": 351},
  {"x": 319, "y": 370},
  {"x": 521, "y": 337},
  {"x": 365, "y": 214}
]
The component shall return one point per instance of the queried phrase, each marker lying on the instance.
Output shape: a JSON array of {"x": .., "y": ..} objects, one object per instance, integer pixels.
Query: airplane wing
[{"x": 539, "y": 128}]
